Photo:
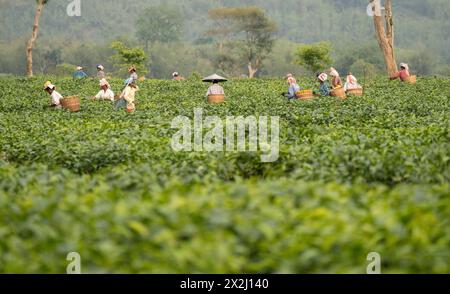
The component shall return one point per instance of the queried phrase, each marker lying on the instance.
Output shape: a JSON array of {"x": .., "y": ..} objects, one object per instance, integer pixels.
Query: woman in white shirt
[
  {"x": 55, "y": 96},
  {"x": 105, "y": 93}
]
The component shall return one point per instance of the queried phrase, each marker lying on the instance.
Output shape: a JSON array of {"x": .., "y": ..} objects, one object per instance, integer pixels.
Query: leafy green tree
[
  {"x": 251, "y": 27},
  {"x": 126, "y": 56},
  {"x": 314, "y": 57},
  {"x": 159, "y": 24}
]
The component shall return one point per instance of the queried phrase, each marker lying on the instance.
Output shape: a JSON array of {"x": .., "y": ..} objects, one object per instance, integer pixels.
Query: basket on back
[
  {"x": 411, "y": 80},
  {"x": 355, "y": 92},
  {"x": 71, "y": 103},
  {"x": 216, "y": 98},
  {"x": 305, "y": 95},
  {"x": 339, "y": 92}
]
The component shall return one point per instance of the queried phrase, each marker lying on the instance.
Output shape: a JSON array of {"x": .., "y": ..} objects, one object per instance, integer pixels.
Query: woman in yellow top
[{"x": 127, "y": 97}]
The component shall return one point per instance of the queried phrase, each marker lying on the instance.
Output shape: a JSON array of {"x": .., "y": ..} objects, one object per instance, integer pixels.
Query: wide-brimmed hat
[
  {"x": 215, "y": 77},
  {"x": 48, "y": 85},
  {"x": 100, "y": 67},
  {"x": 79, "y": 68},
  {"x": 103, "y": 82},
  {"x": 404, "y": 65}
]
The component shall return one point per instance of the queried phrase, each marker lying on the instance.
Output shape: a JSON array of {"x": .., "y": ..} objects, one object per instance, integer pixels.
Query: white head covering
[
  {"x": 406, "y": 66},
  {"x": 48, "y": 85},
  {"x": 351, "y": 79},
  {"x": 104, "y": 82},
  {"x": 323, "y": 77},
  {"x": 100, "y": 67},
  {"x": 334, "y": 72},
  {"x": 79, "y": 68},
  {"x": 175, "y": 74}
]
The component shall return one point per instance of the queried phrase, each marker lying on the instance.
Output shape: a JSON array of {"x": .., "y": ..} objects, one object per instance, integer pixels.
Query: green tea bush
[{"x": 366, "y": 174}]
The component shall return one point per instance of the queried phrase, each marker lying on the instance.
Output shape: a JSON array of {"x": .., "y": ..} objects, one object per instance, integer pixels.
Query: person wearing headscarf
[
  {"x": 101, "y": 72},
  {"x": 293, "y": 87},
  {"x": 336, "y": 81},
  {"x": 133, "y": 75},
  {"x": 55, "y": 96},
  {"x": 105, "y": 93},
  {"x": 324, "y": 90},
  {"x": 80, "y": 74},
  {"x": 403, "y": 74},
  {"x": 176, "y": 77},
  {"x": 351, "y": 82},
  {"x": 128, "y": 96}
]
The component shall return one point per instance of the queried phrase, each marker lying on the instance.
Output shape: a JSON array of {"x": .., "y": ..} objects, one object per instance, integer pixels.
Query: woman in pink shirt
[{"x": 403, "y": 73}]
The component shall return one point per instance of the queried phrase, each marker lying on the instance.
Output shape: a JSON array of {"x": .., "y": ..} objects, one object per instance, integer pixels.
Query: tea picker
[
  {"x": 105, "y": 93},
  {"x": 215, "y": 93},
  {"x": 352, "y": 87},
  {"x": 336, "y": 82},
  {"x": 177, "y": 77},
  {"x": 293, "y": 87},
  {"x": 55, "y": 96},
  {"x": 404, "y": 75},
  {"x": 324, "y": 90},
  {"x": 126, "y": 99},
  {"x": 79, "y": 73},
  {"x": 100, "y": 72}
]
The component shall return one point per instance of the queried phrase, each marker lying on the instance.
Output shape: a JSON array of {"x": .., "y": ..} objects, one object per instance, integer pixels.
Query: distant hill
[{"x": 419, "y": 23}]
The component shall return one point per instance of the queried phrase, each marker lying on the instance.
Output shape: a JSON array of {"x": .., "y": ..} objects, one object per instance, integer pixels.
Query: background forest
[{"x": 422, "y": 34}]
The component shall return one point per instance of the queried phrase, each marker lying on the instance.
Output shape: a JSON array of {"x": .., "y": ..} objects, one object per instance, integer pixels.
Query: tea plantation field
[{"x": 368, "y": 174}]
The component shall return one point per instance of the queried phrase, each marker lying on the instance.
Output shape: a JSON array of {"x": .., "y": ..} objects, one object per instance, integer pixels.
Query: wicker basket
[
  {"x": 411, "y": 80},
  {"x": 305, "y": 95},
  {"x": 355, "y": 92},
  {"x": 71, "y": 103},
  {"x": 340, "y": 92},
  {"x": 215, "y": 99}
]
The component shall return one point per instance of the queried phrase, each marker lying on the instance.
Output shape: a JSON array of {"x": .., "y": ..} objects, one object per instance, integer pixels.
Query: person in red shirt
[{"x": 403, "y": 73}]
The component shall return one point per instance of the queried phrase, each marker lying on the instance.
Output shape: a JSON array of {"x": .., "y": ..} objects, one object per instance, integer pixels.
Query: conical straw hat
[{"x": 215, "y": 77}]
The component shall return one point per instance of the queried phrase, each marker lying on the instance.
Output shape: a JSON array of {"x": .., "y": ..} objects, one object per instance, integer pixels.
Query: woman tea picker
[
  {"x": 324, "y": 90},
  {"x": 336, "y": 82},
  {"x": 403, "y": 74},
  {"x": 351, "y": 83},
  {"x": 55, "y": 96},
  {"x": 126, "y": 99},
  {"x": 105, "y": 93},
  {"x": 133, "y": 75},
  {"x": 79, "y": 74},
  {"x": 101, "y": 72},
  {"x": 293, "y": 87}
]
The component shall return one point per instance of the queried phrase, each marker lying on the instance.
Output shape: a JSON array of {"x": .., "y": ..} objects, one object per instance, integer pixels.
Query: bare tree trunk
[
  {"x": 251, "y": 71},
  {"x": 385, "y": 36},
  {"x": 30, "y": 43}
]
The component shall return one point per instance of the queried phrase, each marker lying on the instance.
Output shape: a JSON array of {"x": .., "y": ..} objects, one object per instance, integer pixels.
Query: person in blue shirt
[
  {"x": 324, "y": 90},
  {"x": 293, "y": 87},
  {"x": 79, "y": 74}
]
